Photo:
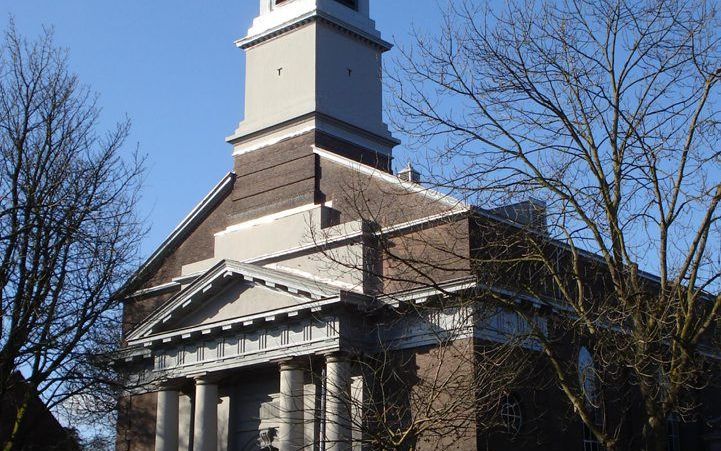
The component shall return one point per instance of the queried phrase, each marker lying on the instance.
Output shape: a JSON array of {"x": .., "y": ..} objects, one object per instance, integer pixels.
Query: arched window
[
  {"x": 588, "y": 381},
  {"x": 588, "y": 378},
  {"x": 511, "y": 414}
]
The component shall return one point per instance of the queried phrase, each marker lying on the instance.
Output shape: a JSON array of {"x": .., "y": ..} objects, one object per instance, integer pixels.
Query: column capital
[
  {"x": 292, "y": 363},
  {"x": 169, "y": 385},
  {"x": 205, "y": 378},
  {"x": 337, "y": 356}
]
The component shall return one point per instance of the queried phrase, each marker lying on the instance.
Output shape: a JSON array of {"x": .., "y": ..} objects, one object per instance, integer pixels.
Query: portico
[
  {"x": 292, "y": 335},
  {"x": 288, "y": 422}
]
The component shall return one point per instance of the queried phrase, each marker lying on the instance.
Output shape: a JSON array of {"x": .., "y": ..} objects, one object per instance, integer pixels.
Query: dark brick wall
[
  {"x": 267, "y": 181},
  {"x": 354, "y": 152},
  {"x": 426, "y": 257},
  {"x": 448, "y": 369},
  {"x": 288, "y": 175},
  {"x": 136, "y": 423},
  {"x": 358, "y": 196},
  {"x": 274, "y": 179},
  {"x": 282, "y": 176},
  {"x": 137, "y": 309}
]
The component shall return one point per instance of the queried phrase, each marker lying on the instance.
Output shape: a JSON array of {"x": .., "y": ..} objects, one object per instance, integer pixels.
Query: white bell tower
[{"x": 313, "y": 65}]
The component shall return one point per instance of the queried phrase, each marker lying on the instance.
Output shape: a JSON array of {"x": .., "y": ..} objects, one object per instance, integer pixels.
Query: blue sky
[{"x": 172, "y": 68}]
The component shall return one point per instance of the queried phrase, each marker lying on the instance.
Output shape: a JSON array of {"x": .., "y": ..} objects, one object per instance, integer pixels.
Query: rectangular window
[
  {"x": 674, "y": 433},
  {"x": 590, "y": 442}
]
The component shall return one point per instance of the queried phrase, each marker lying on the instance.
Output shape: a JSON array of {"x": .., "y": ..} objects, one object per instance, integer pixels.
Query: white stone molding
[
  {"x": 241, "y": 349},
  {"x": 274, "y": 21}
]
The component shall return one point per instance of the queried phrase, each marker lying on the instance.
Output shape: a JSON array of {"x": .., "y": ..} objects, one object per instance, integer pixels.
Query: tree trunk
[
  {"x": 654, "y": 434},
  {"x": 12, "y": 441}
]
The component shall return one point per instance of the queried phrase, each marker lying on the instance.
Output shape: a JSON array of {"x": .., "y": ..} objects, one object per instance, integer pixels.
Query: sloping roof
[
  {"x": 219, "y": 276},
  {"x": 449, "y": 201},
  {"x": 181, "y": 231}
]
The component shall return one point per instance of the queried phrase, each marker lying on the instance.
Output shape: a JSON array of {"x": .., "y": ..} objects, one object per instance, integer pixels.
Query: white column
[
  {"x": 338, "y": 403},
  {"x": 166, "y": 421},
  {"x": 185, "y": 433},
  {"x": 205, "y": 432},
  {"x": 310, "y": 416},
  {"x": 291, "y": 407},
  {"x": 357, "y": 388}
]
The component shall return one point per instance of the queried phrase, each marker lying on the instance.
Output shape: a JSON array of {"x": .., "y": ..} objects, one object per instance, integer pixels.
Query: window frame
[
  {"x": 511, "y": 413},
  {"x": 673, "y": 432}
]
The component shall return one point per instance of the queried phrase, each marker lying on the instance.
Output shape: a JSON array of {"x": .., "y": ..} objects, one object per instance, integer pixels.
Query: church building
[{"x": 249, "y": 327}]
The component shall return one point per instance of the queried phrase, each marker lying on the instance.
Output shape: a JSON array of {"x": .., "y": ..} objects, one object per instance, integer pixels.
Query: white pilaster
[
  {"x": 205, "y": 434},
  {"x": 166, "y": 421},
  {"x": 338, "y": 403},
  {"x": 291, "y": 434}
]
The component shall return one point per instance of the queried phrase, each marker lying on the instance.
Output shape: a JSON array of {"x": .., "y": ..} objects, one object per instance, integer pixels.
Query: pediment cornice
[{"x": 310, "y": 294}]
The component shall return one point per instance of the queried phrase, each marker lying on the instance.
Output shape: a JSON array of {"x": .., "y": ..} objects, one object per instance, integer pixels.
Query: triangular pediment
[
  {"x": 238, "y": 300},
  {"x": 230, "y": 291}
]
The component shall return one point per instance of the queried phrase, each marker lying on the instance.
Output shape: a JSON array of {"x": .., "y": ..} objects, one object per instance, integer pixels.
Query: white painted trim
[
  {"x": 272, "y": 217},
  {"x": 255, "y": 37},
  {"x": 187, "y": 278},
  {"x": 408, "y": 186},
  {"x": 421, "y": 221},
  {"x": 151, "y": 290},
  {"x": 315, "y": 278},
  {"x": 423, "y": 293},
  {"x": 260, "y": 144}
]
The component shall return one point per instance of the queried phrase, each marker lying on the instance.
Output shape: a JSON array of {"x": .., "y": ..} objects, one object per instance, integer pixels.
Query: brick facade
[{"x": 290, "y": 174}]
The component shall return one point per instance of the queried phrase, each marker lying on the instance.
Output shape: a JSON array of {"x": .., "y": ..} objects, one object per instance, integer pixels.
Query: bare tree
[
  {"x": 444, "y": 387},
  {"x": 607, "y": 112},
  {"x": 68, "y": 233},
  {"x": 437, "y": 396}
]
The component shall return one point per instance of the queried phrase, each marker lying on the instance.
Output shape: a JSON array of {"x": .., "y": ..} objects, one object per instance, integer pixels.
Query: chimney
[{"x": 409, "y": 174}]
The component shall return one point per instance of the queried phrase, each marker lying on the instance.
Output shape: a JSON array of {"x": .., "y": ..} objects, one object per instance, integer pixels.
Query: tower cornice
[
  {"x": 310, "y": 17},
  {"x": 314, "y": 66}
]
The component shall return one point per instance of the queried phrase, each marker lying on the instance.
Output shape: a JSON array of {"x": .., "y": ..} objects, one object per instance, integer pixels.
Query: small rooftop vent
[
  {"x": 531, "y": 213},
  {"x": 409, "y": 174}
]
